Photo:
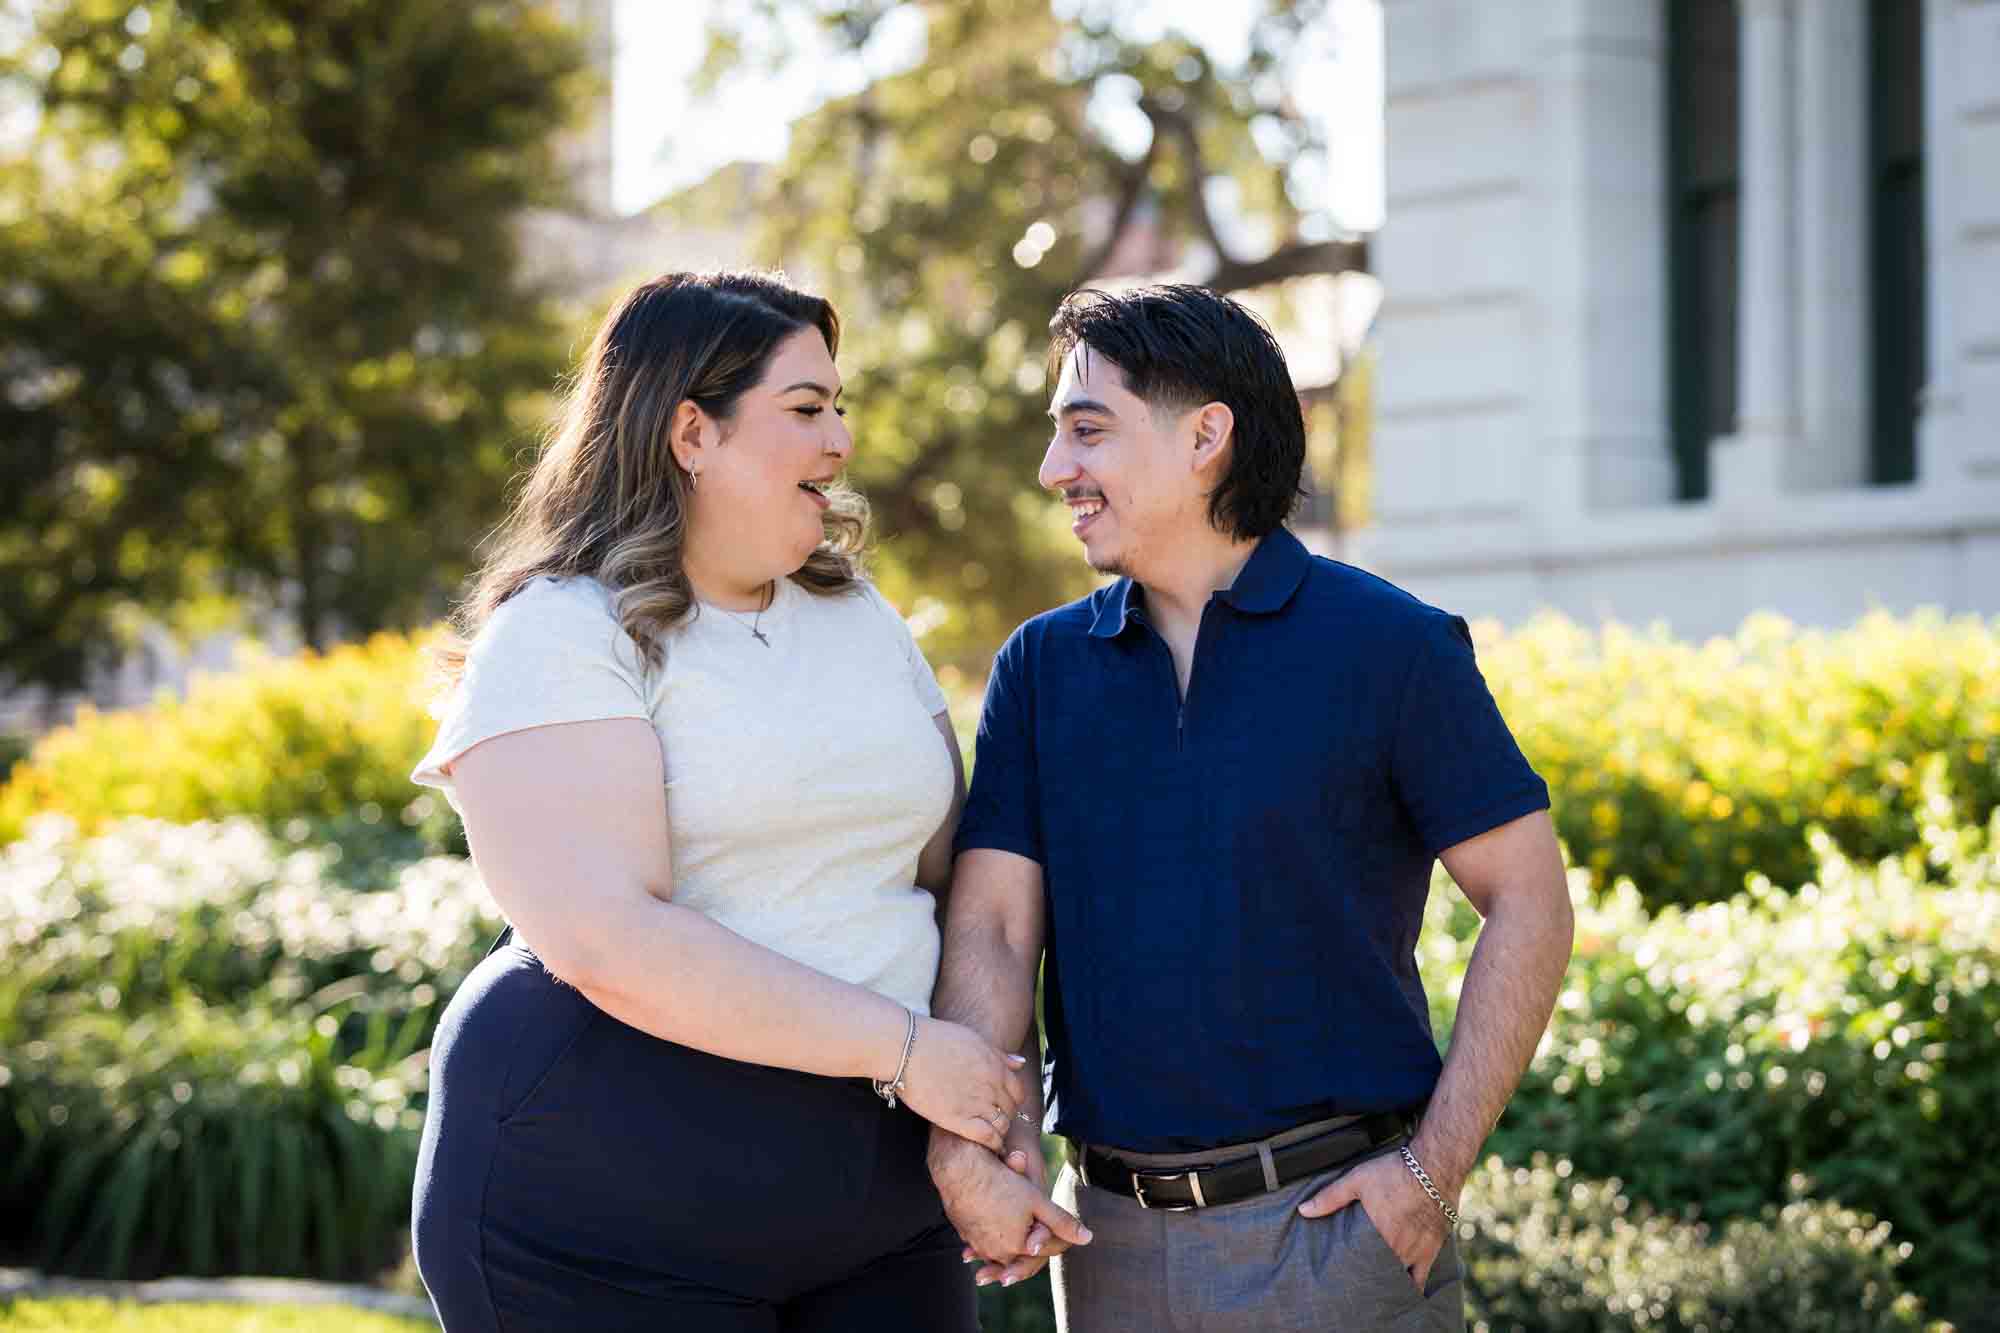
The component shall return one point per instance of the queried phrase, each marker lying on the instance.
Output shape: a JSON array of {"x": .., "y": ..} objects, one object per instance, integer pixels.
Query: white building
[{"x": 1693, "y": 308}]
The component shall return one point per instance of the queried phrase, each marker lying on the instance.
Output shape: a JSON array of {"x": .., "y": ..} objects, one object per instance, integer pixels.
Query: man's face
[{"x": 1127, "y": 472}]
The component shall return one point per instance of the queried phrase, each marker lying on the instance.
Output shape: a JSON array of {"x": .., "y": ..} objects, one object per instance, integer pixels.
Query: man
[{"x": 1214, "y": 790}]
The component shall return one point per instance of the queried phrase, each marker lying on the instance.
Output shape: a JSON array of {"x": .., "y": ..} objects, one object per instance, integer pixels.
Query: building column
[
  {"x": 1603, "y": 176},
  {"x": 1939, "y": 407},
  {"x": 1833, "y": 210},
  {"x": 1748, "y": 464}
]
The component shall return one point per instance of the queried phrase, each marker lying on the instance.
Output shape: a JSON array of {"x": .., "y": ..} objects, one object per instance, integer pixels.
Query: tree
[
  {"x": 263, "y": 334},
  {"x": 949, "y": 206}
]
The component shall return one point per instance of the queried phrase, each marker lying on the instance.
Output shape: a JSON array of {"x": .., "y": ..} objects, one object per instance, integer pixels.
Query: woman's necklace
[{"x": 770, "y": 595}]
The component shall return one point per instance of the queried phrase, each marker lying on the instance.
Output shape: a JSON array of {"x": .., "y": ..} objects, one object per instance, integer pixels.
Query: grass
[{"x": 95, "y": 1316}]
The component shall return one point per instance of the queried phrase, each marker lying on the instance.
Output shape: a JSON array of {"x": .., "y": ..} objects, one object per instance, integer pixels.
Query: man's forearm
[
  {"x": 987, "y": 981},
  {"x": 1503, "y": 1008}
]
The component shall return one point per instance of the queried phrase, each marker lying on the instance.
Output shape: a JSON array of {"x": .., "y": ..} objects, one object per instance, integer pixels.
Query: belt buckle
[{"x": 1192, "y": 1178}]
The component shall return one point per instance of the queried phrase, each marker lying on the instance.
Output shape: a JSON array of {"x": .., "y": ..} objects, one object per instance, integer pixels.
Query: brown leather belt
[{"x": 1242, "y": 1177}]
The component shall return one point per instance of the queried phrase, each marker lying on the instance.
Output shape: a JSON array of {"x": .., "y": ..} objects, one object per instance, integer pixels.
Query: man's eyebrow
[
  {"x": 816, "y": 387},
  {"x": 1075, "y": 405}
]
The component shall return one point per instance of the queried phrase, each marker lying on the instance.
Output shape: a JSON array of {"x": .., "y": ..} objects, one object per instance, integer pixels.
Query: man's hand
[
  {"x": 1043, "y": 1245},
  {"x": 1396, "y": 1204},
  {"x": 996, "y": 1210}
]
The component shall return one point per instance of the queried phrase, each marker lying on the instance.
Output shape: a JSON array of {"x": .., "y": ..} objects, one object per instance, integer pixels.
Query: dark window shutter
[
  {"x": 1704, "y": 165},
  {"x": 1897, "y": 267}
]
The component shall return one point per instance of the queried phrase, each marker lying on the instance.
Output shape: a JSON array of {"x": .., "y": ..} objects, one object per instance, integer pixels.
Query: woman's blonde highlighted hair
[{"x": 606, "y": 498}]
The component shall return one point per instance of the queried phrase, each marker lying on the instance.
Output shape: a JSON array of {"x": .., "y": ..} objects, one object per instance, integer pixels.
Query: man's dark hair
[{"x": 1181, "y": 346}]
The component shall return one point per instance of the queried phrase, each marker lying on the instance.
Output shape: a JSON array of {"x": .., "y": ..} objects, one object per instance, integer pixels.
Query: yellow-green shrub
[
  {"x": 1683, "y": 766},
  {"x": 329, "y": 736}
]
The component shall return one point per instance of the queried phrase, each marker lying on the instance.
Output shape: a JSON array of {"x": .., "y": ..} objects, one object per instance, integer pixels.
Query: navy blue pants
[{"x": 577, "y": 1173}]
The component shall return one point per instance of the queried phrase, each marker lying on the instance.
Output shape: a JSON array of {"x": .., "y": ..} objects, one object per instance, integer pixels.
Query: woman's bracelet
[
  {"x": 1424, "y": 1179},
  {"x": 887, "y": 1091}
]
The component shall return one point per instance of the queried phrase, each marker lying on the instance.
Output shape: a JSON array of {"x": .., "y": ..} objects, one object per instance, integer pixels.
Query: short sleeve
[
  {"x": 554, "y": 652},
  {"x": 922, "y": 679},
  {"x": 1456, "y": 767},
  {"x": 1002, "y": 810}
]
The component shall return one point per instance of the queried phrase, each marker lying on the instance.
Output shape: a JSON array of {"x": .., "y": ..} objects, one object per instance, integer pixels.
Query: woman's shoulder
[
  {"x": 555, "y": 602},
  {"x": 560, "y": 613}
]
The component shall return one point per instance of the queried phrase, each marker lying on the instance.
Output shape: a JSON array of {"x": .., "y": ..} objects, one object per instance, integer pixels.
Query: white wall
[{"x": 1522, "y": 443}]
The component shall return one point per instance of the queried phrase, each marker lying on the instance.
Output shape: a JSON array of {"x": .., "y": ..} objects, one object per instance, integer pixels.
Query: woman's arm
[{"x": 568, "y": 825}]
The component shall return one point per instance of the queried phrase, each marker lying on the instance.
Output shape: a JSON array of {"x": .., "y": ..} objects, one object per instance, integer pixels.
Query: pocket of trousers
[
  {"x": 548, "y": 1078},
  {"x": 1444, "y": 1269}
]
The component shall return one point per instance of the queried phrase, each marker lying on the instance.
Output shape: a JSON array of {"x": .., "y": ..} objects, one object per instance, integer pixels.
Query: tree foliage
[
  {"x": 947, "y": 207},
  {"x": 263, "y": 335}
]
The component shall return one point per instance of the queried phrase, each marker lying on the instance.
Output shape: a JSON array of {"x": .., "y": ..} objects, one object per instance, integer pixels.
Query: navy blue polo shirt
[{"x": 1234, "y": 883}]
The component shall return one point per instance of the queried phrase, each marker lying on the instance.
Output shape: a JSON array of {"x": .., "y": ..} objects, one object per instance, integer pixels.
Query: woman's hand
[{"x": 961, "y": 1082}]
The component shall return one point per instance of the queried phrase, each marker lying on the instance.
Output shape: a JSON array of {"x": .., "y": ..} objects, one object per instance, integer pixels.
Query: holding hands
[
  {"x": 960, "y": 1082},
  {"x": 1001, "y": 1207}
]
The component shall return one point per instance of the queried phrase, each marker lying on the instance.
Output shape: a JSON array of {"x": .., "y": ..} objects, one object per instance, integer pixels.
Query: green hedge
[
  {"x": 1842, "y": 1040},
  {"x": 1550, "y": 1252},
  {"x": 212, "y": 1047},
  {"x": 316, "y": 737},
  {"x": 96, "y": 1316},
  {"x": 1681, "y": 766},
  {"x": 210, "y": 1052},
  {"x": 193, "y": 1140},
  {"x": 223, "y": 911},
  {"x": 1547, "y": 1251},
  {"x": 1686, "y": 766}
]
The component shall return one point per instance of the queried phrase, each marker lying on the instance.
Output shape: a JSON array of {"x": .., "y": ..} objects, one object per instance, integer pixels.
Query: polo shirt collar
[
  {"x": 1114, "y": 610},
  {"x": 1265, "y": 583},
  {"x": 1272, "y": 574}
]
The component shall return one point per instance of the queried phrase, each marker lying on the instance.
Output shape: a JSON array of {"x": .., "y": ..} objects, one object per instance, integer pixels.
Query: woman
[{"x": 709, "y": 779}]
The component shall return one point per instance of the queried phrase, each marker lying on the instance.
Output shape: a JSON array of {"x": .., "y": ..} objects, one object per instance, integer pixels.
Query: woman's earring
[{"x": 694, "y": 480}]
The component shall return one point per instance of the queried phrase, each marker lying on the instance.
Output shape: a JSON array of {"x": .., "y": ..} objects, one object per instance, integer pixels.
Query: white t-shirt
[{"x": 803, "y": 777}]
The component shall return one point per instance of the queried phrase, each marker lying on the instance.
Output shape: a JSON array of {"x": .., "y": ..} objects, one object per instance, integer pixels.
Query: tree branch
[
  {"x": 1232, "y": 273},
  {"x": 1129, "y": 190},
  {"x": 1291, "y": 261}
]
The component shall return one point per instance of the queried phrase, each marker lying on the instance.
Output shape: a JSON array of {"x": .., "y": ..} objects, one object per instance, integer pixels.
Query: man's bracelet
[{"x": 1424, "y": 1179}]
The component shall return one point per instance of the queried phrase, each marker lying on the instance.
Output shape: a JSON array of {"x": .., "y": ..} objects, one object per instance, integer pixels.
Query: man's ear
[{"x": 1214, "y": 434}]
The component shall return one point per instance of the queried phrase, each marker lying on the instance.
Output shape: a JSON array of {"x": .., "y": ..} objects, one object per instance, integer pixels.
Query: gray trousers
[{"x": 1252, "y": 1265}]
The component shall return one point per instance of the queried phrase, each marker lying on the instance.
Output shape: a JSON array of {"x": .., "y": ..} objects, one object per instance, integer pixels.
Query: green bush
[
  {"x": 93, "y": 1316},
  {"x": 1550, "y": 1253},
  {"x": 1686, "y": 766},
  {"x": 1547, "y": 1251},
  {"x": 201, "y": 1141},
  {"x": 314, "y": 737},
  {"x": 211, "y": 1046},
  {"x": 224, "y": 912},
  {"x": 1681, "y": 766},
  {"x": 14, "y": 748},
  {"x": 1843, "y": 1038}
]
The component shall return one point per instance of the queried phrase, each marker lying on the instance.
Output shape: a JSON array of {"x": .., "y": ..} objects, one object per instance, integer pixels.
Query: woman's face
[{"x": 758, "y": 505}]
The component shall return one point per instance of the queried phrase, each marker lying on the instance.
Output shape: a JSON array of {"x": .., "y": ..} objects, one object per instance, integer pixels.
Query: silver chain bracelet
[
  {"x": 887, "y": 1091},
  {"x": 1424, "y": 1179}
]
